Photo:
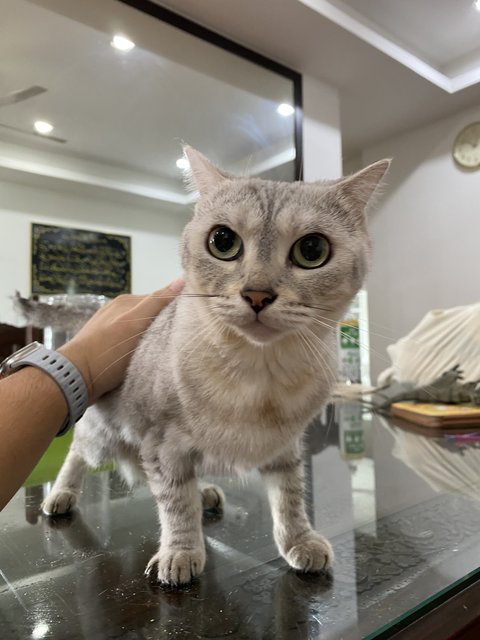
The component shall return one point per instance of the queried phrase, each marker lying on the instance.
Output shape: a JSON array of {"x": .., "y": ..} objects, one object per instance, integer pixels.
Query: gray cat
[{"x": 228, "y": 376}]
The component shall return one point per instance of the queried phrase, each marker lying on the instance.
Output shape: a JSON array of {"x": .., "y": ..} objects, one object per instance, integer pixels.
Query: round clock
[{"x": 466, "y": 148}]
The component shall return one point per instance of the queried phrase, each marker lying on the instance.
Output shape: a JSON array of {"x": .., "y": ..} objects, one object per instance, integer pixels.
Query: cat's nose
[{"x": 258, "y": 299}]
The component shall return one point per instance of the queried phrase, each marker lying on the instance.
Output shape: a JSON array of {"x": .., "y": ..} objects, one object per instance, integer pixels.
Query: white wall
[
  {"x": 322, "y": 141},
  {"x": 155, "y": 234},
  {"x": 426, "y": 229}
]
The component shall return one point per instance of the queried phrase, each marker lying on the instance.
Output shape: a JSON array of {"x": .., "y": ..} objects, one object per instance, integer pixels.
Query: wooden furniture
[{"x": 13, "y": 338}]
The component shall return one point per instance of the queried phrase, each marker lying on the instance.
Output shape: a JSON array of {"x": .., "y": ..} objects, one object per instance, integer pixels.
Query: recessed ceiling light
[
  {"x": 285, "y": 109},
  {"x": 183, "y": 163},
  {"x": 43, "y": 127},
  {"x": 476, "y": 4},
  {"x": 122, "y": 43}
]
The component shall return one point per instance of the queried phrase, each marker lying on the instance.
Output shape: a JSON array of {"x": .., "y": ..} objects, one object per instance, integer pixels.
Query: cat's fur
[
  {"x": 215, "y": 385},
  {"x": 63, "y": 316}
]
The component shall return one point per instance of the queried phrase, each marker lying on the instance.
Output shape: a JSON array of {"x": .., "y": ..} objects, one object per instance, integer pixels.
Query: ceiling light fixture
[
  {"x": 285, "y": 109},
  {"x": 43, "y": 127},
  {"x": 476, "y": 4},
  {"x": 122, "y": 43},
  {"x": 183, "y": 163}
]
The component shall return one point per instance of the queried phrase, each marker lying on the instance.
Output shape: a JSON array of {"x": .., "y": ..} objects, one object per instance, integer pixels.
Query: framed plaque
[{"x": 79, "y": 261}]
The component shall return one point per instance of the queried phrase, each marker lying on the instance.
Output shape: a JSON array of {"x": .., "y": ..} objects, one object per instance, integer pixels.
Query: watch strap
[{"x": 67, "y": 377}]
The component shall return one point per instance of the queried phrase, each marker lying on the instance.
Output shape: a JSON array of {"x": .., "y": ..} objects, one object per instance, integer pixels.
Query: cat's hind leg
[
  {"x": 93, "y": 444},
  {"x": 67, "y": 486},
  {"x": 212, "y": 496}
]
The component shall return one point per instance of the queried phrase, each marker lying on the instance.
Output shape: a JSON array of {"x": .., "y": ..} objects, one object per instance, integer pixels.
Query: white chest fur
[{"x": 247, "y": 403}]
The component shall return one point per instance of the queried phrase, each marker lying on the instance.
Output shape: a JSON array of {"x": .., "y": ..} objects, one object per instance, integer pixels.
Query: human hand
[{"x": 102, "y": 349}]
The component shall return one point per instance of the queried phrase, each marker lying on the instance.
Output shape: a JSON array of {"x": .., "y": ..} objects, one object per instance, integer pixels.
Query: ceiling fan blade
[
  {"x": 22, "y": 94},
  {"x": 33, "y": 133}
]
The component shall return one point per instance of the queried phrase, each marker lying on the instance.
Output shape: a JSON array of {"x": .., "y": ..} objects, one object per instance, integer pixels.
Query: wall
[
  {"x": 322, "y": 141},
  {"x": 425, "y": 232},
  {"x": 155, "y": 235}
]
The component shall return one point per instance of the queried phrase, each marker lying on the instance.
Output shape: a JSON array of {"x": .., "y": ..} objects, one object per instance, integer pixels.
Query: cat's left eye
[
  {"x": 311, "y": 251},
  {"x": 224, "y": 244}
]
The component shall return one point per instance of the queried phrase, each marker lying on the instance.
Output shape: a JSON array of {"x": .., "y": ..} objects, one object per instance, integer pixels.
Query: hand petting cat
[
  {"x": 103, "y": 347},
  {"x": 32, "y": 406}
]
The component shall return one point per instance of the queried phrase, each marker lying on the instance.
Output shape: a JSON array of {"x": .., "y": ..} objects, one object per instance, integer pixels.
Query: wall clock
[{"x": 466, "y": 148}]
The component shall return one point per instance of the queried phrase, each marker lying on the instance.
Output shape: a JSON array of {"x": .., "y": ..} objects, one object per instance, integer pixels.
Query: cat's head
[{"x": 277, "y": 256}]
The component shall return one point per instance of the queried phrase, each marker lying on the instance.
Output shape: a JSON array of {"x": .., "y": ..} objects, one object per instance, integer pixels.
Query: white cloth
[
  {"x": 444, "y": 469},
  {"x": 443, "y": 339}
]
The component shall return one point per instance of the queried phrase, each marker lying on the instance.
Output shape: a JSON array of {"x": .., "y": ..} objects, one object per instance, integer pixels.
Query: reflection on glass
[
  {"x": 449, "y": 462},
  {"x": 86, "y": 570},
  {"x": 119, "y": 102},
  {"x": 106, "y": 153}
]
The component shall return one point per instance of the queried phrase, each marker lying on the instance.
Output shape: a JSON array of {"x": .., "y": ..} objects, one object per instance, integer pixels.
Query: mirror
[{"x": 119, "y": 116}]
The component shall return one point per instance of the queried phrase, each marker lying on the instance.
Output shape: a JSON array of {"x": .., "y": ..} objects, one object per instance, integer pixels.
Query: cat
[{"x": 229, "y": 375}]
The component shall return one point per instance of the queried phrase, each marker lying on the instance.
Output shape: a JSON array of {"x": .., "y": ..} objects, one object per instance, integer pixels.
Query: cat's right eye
[{"x": 224, "y": 244}]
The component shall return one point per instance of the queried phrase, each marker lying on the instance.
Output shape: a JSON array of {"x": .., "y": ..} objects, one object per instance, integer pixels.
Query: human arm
[{"x": 32, "y": 406}]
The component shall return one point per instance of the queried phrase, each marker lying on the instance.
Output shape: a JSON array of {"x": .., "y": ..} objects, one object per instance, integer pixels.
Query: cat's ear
[
  {"x": 359, "y": 188},
  {"x": 202, "y": 176}
]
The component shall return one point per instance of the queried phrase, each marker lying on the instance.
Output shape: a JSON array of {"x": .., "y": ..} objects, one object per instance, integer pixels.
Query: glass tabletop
[{"x": 401, "y": 508}]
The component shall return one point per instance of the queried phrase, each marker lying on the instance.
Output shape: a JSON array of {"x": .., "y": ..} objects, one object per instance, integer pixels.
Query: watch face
[
  {"x": 466, "y": 148},
  {"x": 9, "y": 362}
]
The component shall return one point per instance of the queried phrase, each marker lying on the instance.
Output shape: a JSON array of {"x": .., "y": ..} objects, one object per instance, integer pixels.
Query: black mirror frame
[{"x": 176, "y": 20}]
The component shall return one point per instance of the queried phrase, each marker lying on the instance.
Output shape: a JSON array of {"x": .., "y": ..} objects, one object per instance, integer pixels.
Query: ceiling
[
  {"x": 120, "y": 118},
  {"x": 439, "y": 40},
  {"x": 397, "y": 64}
]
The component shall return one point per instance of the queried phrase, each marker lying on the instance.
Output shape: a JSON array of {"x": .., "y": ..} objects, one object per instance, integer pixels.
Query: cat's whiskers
[
  {"x": 125, "y": 355},
  {"x": 342, "y": 322},
  {"x": 365, "y": 330},
  {"x": 310, "y": 351},
  {"x": 205, "y": 329},
  {"x": 357, "y": 342},
  {"x": 312, "y": 306},
  {"x": 369, "y": 350},
  {"x": 136, "y": 335},
  {"x": 117, "y": 344},
  {"x": 304, "y": 345},
  {"x": 138, "y": 319},
  {"x": 196, "y": 339},
  {"x": 188, "y": 295},
  {"x": 201, "y": 295},
  {"x": 314, "y": 352},
  {"x": 311, "y": 338}
]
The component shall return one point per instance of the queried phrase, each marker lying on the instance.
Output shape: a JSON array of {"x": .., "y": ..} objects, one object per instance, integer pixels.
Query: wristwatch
[{"x": 60, "y": 369}]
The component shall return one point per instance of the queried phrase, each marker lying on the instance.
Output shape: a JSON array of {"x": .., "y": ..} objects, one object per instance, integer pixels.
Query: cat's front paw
[
  {"x": 176, "y": 566},
  {"x": 58, "y": 503},
  {"x": 311, "y": 554}
]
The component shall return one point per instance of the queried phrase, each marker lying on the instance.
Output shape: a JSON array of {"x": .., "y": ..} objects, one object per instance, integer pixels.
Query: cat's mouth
[{"x": 257, "y": 331}]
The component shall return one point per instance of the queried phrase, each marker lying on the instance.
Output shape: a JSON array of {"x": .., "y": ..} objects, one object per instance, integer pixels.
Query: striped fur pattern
[{"x": 218, "y": 386}]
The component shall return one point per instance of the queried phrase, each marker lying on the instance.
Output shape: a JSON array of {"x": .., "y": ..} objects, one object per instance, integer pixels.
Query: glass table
[{"x": 401, "y": 508}]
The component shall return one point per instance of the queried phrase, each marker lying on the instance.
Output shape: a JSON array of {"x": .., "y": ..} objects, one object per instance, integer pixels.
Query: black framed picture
[{"x": 79, "y": 261}]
